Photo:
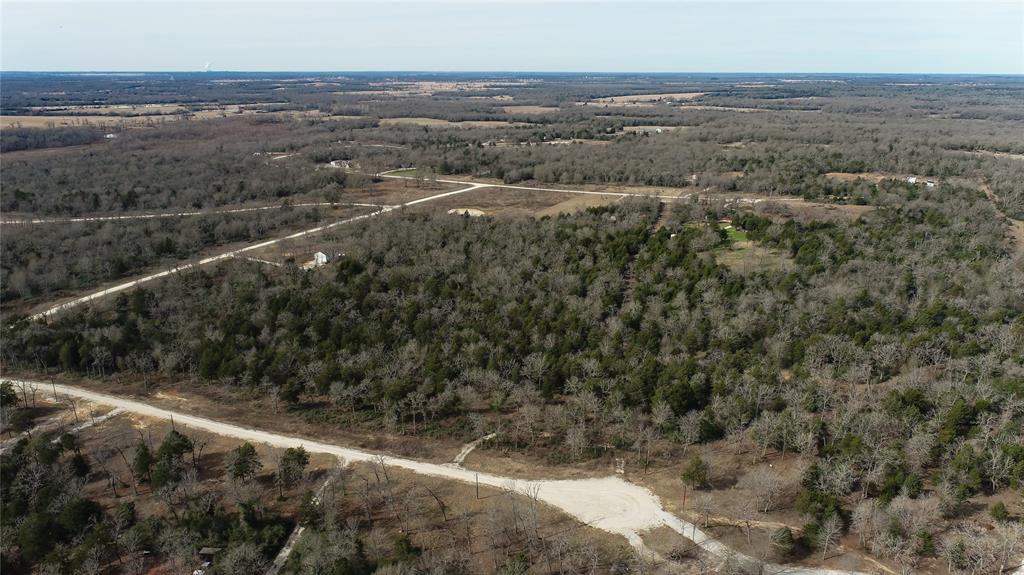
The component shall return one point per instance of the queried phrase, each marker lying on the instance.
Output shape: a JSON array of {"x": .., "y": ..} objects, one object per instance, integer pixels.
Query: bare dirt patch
[
  {"x": 474, "y": 212},
  {"x": 803, "y": 209},
  {"x": 873, "y": 177},
  {"x": 748, "y": 257},
  {"x": 577, "y": 203}
]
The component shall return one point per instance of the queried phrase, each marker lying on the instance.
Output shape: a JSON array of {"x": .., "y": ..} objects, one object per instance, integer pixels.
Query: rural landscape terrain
[{"x": 396, "y": 323}]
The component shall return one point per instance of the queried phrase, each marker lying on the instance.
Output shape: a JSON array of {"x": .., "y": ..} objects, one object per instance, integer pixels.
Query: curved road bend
[
  {"x": 556, "y": 190},
  {"x": 607, "y": 503},
  {"x": 232, "y": 253}
]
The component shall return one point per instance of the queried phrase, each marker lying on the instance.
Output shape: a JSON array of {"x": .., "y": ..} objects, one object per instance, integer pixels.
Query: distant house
[
  {"x": 321, "y": 258},
  {"x": 110, "y": 136},
  {"x": 930, "y": 184},
  {"x": 911, "y": 180}
]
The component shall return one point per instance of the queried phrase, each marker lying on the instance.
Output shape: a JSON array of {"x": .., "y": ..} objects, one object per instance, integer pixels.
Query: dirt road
[
  {"x": 556, "y": 190},
  {"x": 607, "y": 503},
  {"x": 152, "y": 216},
  {"x": 233, "y": 253},
  {"x": 1016, "y": 226}
]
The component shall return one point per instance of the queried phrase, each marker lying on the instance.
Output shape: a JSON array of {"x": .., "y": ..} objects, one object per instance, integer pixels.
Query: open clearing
[
  {"x": 747, "y": 257},
  {"x": 523, "y": 109},
  {"x": 512, "y": 202},
  {"x": 873, "y": 177},
  {"x": 801, "y": 209},
  {"x": 394, "y": 191},
  {"x": 653, "y": 129},
  {"x": 647, "y": 98}
]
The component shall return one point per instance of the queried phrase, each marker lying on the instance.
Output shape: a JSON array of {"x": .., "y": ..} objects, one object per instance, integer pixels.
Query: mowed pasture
[{"x": 873, "y": 177}]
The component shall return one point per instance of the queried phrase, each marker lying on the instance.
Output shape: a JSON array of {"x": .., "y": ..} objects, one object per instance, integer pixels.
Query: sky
[{"x": 836, "y": 36}]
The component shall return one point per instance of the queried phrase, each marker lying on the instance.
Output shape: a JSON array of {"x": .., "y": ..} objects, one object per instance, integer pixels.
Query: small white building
[
  {"x": 321, "y": 258},
  {"x": 911, "y": 180},
  {"x": 930, "y": 184}
]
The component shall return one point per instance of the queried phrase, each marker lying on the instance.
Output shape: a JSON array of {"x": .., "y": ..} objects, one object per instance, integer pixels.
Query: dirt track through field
[
  {"x": 608, "y": 503},
  {"x": 1016, "y": 226}
]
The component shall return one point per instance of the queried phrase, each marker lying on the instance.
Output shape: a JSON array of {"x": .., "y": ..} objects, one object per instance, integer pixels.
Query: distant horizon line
[{"x": 101, "y": 72}]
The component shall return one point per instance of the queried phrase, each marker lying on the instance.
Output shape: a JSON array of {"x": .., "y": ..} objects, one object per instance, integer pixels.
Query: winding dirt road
[
  {"x": 607, "y": 503},
  {"x": 381, "y": 209},
  {"x": 556, "y": 190}
]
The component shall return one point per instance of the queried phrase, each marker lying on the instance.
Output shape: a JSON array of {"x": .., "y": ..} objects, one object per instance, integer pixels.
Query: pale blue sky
[{"x": 549, "y": 35}]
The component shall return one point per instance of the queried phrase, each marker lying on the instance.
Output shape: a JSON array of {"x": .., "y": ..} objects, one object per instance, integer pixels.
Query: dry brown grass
[
  {"x": 801, "y": 209},
  {"x": 521, "y": 109},
  {"x": 645, "y": 98},
  {"x": 748, "y": 257}
]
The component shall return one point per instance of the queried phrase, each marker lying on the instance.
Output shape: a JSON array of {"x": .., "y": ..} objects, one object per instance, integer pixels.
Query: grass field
[{"x": 736, "y": 235}]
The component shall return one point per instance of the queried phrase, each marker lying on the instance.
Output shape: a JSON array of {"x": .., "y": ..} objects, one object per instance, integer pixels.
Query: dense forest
[
  {"x": 40, "y": 261},
  {"x": 902, "y": 330},
  {"x": 881, "y": 347}
]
